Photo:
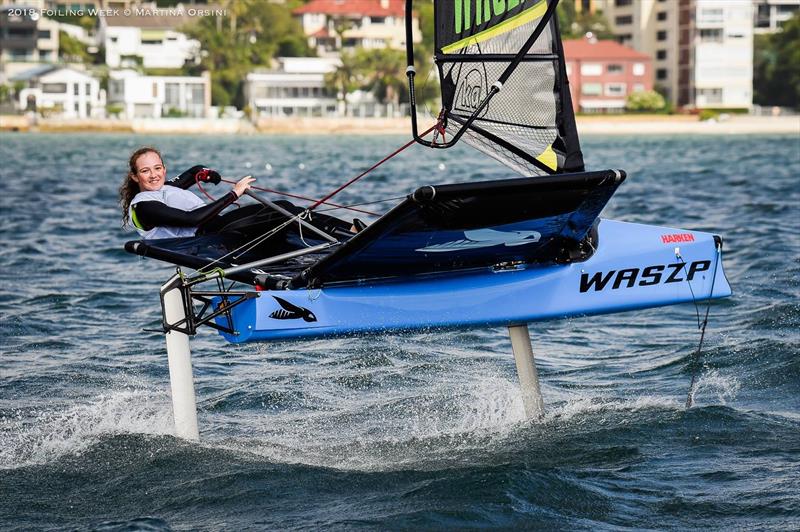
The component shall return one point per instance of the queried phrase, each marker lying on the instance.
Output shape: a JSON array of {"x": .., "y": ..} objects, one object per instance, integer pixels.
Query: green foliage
[
  {"x": 250, "y": 35},
  {"x": 5, "y": 93},
  {"x": 173, "y": 112},
  {"x": 72, "y": 50},
  {"x": 644, "y": 101},
  {"x": 708, "y": 114},
  {"x": 114, "y": 109},
  {"x": 776, "y": 66},
  {"x": 575, "y": 25}
]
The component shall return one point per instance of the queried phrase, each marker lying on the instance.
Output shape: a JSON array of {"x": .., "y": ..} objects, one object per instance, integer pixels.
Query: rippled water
[{"x": 419, "y": 430}]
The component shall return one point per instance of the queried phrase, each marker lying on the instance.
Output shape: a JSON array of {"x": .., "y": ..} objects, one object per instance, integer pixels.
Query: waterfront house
[
  {"x": 295, "y": 88},
  {"x": 149, "y": 40},
  {"x": 143, "y": 96},
  {"x": 603, "y": 73},
  {"x": 333, "y": 25},
  {"x": 61, "y": 91}
]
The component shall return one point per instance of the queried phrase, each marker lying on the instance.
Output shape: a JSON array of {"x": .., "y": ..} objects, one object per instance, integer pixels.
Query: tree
[
  {"x": 71, "y": 49},
  {"x": 575, "y": 25},
  {"x": 346, "y": 78},
  {"x": 644, "y": 101},
  {"x": 776, "y": 66},
  {"x": 250, "y": 35}
]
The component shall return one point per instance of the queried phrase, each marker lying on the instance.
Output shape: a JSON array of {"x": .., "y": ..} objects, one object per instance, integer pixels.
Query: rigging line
[
  {"x": 701, "y": 326},
  {"x": 304, "y": 198},
  {"x": 248, "y": 245},
  {"x": 368, "y": 170},
  {"x": 395, "y": 198}
]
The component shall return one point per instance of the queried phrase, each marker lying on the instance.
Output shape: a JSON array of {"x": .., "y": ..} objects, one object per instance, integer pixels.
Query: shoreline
[{"x": 587, "y": 125}]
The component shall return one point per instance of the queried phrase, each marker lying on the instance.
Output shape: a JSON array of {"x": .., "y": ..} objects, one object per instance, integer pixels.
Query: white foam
[{"x": 43, "y": 436}]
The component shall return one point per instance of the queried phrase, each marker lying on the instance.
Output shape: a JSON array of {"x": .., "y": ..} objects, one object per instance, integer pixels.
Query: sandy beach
[{"x": 587, "y": 125}]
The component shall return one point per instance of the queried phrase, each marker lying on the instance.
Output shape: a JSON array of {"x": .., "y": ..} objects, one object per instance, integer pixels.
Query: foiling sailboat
[{"x": 493, "y": 253}]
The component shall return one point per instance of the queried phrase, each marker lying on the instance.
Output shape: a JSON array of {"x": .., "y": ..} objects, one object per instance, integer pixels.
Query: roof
[
  {"x": 576, "y": 49},
  {"x": 366, "y": 8}
]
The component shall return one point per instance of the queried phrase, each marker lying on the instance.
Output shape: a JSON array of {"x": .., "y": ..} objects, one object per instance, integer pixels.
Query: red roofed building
[
  {"x": 335, "y": 24},
  {"x": 603, "y": 73}
]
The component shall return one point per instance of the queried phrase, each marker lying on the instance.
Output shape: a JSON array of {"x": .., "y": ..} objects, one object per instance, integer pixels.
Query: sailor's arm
[
  {"x": 194, "y": 174},
  {"x": 150, "y": 214}
]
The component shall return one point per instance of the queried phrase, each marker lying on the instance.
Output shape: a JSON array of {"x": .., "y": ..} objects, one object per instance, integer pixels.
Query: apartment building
[
  {"x": 25, "y": 36},
  {"x": 602, "y": 74},
  {"x": 770, "y": 14},
  {"x": 332, "y": 25},
  {"x": 702, "y": 50}
]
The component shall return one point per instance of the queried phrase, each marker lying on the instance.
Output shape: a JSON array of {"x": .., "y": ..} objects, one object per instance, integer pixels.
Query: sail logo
[
  {"x": 485, "y": 238},
  {"x": 651, "y": 275},
  {"x": 471, "y": 91},
  {"x": 483, "y": 10}
]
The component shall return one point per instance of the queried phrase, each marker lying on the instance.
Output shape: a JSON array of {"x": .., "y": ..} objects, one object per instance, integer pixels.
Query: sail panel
[{"x": 530, "y": 123}]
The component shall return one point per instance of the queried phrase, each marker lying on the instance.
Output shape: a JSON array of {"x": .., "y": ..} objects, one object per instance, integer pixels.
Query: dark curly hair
[{"x": 130, "y": 187}]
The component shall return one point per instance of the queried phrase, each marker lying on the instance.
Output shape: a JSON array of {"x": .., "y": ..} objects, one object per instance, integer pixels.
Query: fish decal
[
  {"x": 288, "y": 311},
  {"x": 485, "y": 238}
]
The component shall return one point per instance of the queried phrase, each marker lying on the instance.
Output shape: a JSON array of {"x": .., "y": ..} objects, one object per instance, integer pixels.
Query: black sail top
[{"x": 529, "y": 125}]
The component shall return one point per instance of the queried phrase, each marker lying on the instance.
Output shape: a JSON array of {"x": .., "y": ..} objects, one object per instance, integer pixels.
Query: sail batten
[{"x": 529, "y": 125}]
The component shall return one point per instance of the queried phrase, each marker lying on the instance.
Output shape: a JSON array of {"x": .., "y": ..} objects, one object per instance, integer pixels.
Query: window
[
  {"x": 661, "y": 54},
  {"x": 711, "y": 35},
  {"x": 44, "y": 34},
  {"x": 624, "y": 38},
  {"x": 172, "y": 94},
  {"x": 661, "y": 35},
  {"x": 377, "y": 20},
  {"x": 591, "y": 89},
  {"x": 638, "y": 69},
  {"x": 661, "y": 15},
  {"x": 19, "y": 33},
  {"x": 615, "y": 89},
  {"x": 54, "y": 88},
  {"x": 76, "y": 89},
  {"x": 711, "y": 15},
  {"x": 620, "y": 3},
  {"x": 615, "y": 69},
  {"x": 661, "y": 74},
  {"x": 113, "y": 39},
  {"x": 591, "y": 69},
  {"x": 624, "y": 20},
  {"x": 88, "y": 89},
  {"x": 152, "y": 41},
  {"x": 709, "y": 95}
]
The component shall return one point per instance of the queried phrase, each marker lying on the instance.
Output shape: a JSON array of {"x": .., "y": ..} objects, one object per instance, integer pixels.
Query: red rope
[
  {"x": 317, "y": 202},
  {"x": 304, "y": 198},
  {"x": 368, "y": 170}
]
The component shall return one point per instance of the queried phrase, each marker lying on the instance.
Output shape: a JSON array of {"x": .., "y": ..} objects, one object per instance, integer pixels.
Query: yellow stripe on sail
[
  {"x": 548, "y": 158},
  {"x": 514, "y": 22}
]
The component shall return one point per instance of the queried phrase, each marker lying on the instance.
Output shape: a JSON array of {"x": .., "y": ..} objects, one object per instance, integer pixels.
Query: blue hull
[{"x": 635, "y": 266}]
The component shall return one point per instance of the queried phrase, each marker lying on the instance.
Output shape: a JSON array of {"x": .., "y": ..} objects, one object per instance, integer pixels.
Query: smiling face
[{"x": 150, "y": 171}]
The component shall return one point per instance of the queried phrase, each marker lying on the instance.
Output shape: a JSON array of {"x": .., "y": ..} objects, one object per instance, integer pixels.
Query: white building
[
  {"x": 63, "y": 91},
  {"x": 149, "y": 40},
  {"x": 770, "y": 14},
  {"x": 723, "y": 54},
  {"x": 296, "y": 88},
  {"x": 335, "y": 24},
  {"x": 702, "y": 49},
  {"x": 160, "y": 96}
]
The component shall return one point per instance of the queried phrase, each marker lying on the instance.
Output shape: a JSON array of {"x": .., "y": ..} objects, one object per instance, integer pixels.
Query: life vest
[{"x": 172, "y": 197}]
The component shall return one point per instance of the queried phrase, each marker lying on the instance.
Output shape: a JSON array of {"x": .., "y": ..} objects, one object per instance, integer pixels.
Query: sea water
[{"x": 423, "y": 430}]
